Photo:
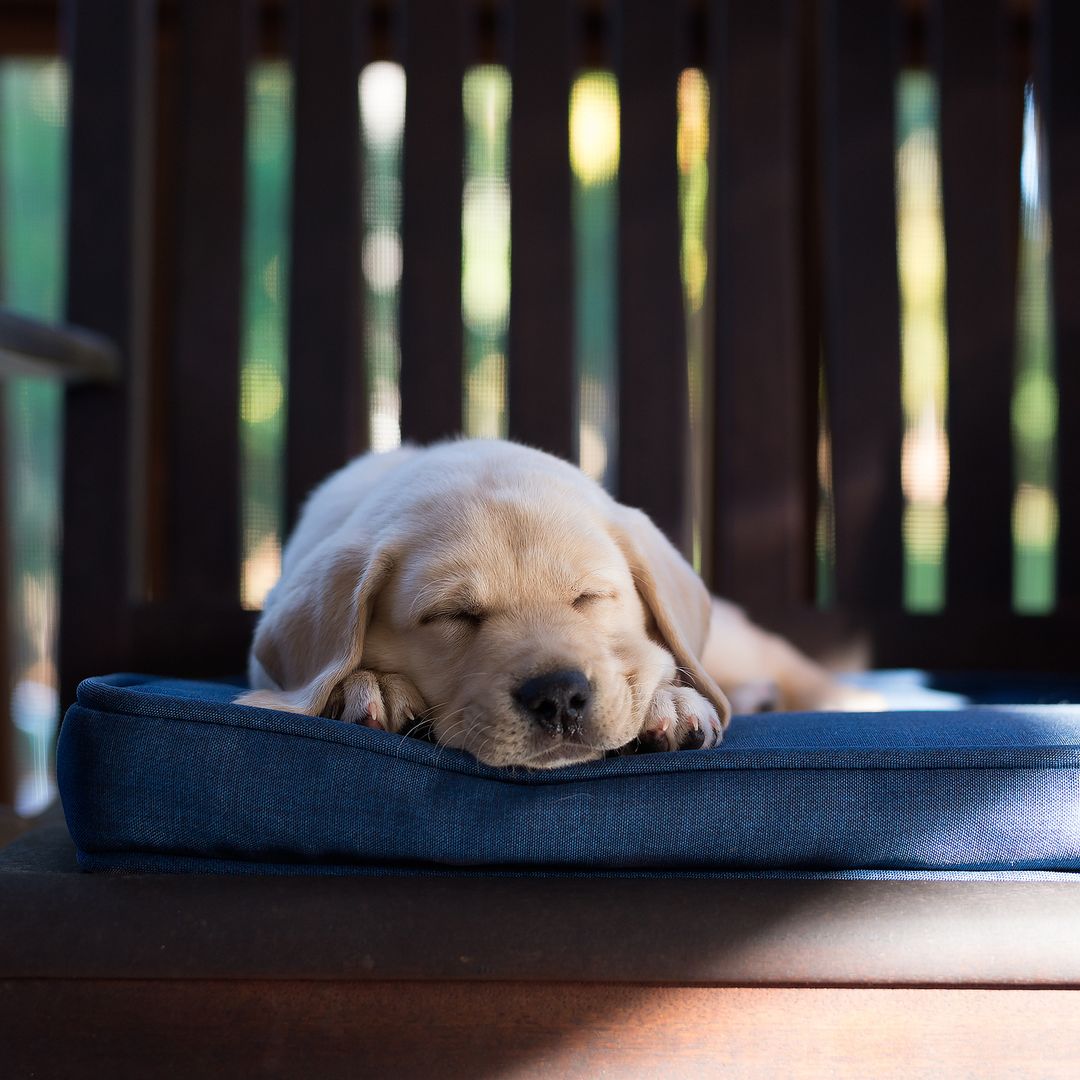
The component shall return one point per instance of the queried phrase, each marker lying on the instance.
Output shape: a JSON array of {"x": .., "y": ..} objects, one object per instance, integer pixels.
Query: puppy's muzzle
[{"x": 557, "y": 700}]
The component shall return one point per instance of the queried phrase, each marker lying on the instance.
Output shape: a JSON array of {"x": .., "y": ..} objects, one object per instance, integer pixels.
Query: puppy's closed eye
[
  {"x": 588, "y": 599},
  {"x": 462, "y": 617}
]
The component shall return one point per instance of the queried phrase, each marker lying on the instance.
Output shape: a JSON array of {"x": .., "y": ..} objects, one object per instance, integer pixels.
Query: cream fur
[{"x": 434, "y": 581}]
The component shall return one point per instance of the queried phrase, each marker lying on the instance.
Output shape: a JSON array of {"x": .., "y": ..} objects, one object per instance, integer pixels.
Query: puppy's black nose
[{"x": 557, "y": 700}]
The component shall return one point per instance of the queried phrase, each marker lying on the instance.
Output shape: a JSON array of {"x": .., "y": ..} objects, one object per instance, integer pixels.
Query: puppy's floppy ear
[
  {"x": 311, "y": 633},
  {"x": 674, "y": 595}
]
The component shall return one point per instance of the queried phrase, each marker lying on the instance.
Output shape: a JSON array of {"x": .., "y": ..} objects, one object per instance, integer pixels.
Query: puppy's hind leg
[{"x": 761, "y": 671}]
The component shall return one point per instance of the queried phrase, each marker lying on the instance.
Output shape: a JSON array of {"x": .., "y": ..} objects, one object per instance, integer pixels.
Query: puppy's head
[{"x": 536, "y": 629}]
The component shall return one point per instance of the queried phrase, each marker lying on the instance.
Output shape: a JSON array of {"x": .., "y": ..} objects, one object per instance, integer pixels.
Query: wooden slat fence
[
  {"x": 327, "y": 420},
  {"x": 542, "y": 378},
  {"x": 860, "y": 59},
  {"x": 203, "y": 532},
  {"x": 652, "y": 385},
  {"x": 761, "y": 376},
  {"x": 431, "y": 332},
  {"x": 981, "y": 120},
  {"x": 111, "y": 147}
]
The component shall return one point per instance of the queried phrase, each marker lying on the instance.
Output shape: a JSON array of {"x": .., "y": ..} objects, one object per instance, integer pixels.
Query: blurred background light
[
  {"x": 264, "y": 328},
  {"x": 920, "y": 252},
  {"x": 594, "y": 127},
  {"x": 692, "y": 159},
  {"x": 382, "y": 89},
  {"x": 485, "y": 251},
  {"x": 594, "y": 161},
  {"x": 382, "y": 103},
  {"x": 1035, "y": 398}
]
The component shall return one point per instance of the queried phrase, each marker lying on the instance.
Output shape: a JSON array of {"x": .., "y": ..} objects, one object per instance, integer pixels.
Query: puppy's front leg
[
  {"x": 679, "y": 718},
  {"x": 377, "y": 700}
]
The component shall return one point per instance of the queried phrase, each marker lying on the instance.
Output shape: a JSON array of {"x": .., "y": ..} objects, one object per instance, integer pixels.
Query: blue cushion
[{"x": 160, "y": 774}]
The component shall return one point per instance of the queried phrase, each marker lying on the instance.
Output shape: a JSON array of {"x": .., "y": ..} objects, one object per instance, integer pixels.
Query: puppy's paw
[
  {"x": 679, "y": 718},
  {"x": 377, "y": 700}
]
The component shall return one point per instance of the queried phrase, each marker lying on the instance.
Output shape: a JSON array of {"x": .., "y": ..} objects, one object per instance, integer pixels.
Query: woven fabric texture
[{"x": 158, "y": 774}]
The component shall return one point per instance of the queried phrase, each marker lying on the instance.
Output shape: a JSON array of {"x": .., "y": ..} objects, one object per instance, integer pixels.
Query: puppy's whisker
[
  {"x": 472, "y": 729},
  {"x": 452, "y": 729},
  {"x": 449, "y": 733},
  {"x": 444, "y": 736},
  {"x": 688, "y": 677},
  {"x": 480, "y": 750},
  {"x": 442, "y": 745},
  {"x": 421, "y": 729},
  {"x": 431, "y": 713},
  {"x": 469, "y": 734}
]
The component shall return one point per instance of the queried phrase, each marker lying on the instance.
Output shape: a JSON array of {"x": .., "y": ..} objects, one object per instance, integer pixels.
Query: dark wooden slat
[
  {"x": 981, "y": 122},
  {"x": 542, "y": 376},
  {"x": 652, "y": 469},
  {"x": 164, "y": 243},
  {"x": 31, "y": 27},
  {"x": 862, "y": 331},
  {"x": 205, "y": 641},
  {"x": 203, "y": 533},
  {"x": 327, "y": 403},
  {"x": 760, "y": 525},
  {"x": 986, "y": 640},
  {"x": 1059, "y": 97},
  {"x": 431, "y": 334},
  {"x": 973, "y": 639},
  {"x": 108, "y": 273}
]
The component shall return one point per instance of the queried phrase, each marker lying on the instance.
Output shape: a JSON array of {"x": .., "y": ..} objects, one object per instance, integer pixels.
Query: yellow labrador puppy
[{"x": 507, "y": 599}]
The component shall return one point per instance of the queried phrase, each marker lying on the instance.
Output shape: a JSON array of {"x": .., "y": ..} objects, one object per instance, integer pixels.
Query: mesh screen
[
  {"x": 263, "y": 370},
  {"x": 485, "y": 254},
  {"x": 1034, "y": 404},
  {"x": 382, "y": 126},
  {"x": 693, "y": 162},
  {"x": 924, "y": 346},
  {"x": 33, "y": 196},
  {"x": 825, "y": 521},
  {"x": 594, "y": 161}
]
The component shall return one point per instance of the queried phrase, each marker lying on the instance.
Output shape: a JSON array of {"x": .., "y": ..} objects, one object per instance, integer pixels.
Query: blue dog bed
[{"x": 965, "y": 778}]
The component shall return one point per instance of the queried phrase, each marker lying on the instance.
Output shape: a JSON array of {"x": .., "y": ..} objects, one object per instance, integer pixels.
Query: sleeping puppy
[{"x": 509, "y": 601}]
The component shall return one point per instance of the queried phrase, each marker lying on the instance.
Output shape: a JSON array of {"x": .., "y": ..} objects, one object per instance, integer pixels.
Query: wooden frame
[
  {"x": 377, "y": 1029},
  {"x": 746, "y": 931},
  {"x": 373, "y": 976}
]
